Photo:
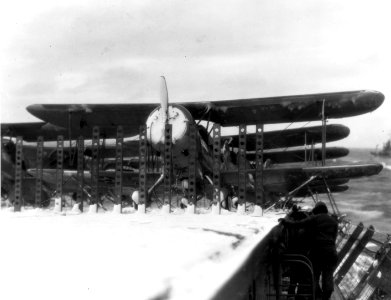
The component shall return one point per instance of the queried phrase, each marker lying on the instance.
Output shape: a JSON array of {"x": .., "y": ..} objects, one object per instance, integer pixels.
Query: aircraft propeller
[{"x": 164, "y": 99}]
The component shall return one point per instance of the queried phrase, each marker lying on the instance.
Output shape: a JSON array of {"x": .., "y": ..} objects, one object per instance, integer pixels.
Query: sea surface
[{"x": 368, "y": 199}]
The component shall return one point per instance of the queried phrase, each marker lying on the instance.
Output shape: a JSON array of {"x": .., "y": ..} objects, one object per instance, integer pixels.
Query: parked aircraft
[{"x": 75, "y": 120}]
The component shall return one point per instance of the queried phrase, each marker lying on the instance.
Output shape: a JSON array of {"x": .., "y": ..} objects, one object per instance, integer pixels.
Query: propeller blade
[{"x": 164, "y": 98}]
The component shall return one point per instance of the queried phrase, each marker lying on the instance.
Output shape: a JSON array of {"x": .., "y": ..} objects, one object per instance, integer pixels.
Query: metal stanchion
[
  {"x": 216, "y": 202},
  {"x": 38, "y": 173}
]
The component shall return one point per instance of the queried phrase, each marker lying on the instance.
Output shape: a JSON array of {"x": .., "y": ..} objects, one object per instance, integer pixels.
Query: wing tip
[{"x": 376, "y": 98}]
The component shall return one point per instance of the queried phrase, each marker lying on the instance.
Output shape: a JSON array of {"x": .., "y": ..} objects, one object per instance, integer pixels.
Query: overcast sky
[{"x": 115, "y": 51}]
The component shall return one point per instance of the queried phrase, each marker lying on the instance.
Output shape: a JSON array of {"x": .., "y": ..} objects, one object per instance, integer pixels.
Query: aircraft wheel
[
  {"x": 235, "y": 201},
  {"x": 224, "y": 198},
  {"x": 136, "y": 196},
  {"x": 4, "y": 194},
  {"x": 184, "y": 202}
]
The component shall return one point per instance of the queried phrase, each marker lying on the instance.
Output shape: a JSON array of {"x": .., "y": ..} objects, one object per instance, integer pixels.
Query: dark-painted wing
[
  {"x": 21, "y": 129},
  {"x": 50, "y": 132},
  {"x": 292, "y": 137},
  {"x": 287, "y": 109},
  {"x": 130, "y": 153},
  {"x": 31, "y": 131},
  {"x": 344, "y": 171},
  {"x": 322, "y": 189},
  {"x": 129, "y": 150},
  {"x": 106, "y": 179},
  {"x": 299, "y": 155},
  {"x": 83, "y": 117},
  {"x": 282, "y": 179},
  {"x": 330, "y": 182}
]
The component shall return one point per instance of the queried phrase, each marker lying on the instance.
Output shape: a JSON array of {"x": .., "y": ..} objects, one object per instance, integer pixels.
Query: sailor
[{"x": 323, "y": 254}]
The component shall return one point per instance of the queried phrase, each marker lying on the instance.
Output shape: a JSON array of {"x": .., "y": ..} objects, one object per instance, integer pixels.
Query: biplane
[{"x": 287, "y": 160}]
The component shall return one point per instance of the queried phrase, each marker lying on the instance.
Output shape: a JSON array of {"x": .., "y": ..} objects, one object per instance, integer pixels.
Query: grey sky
[{"x": 115, "y": 51}]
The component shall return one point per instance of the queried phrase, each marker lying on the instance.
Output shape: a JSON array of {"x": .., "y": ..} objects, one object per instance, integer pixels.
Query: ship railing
[
  {"x": 364, "y": 263},
  {"x": 298, "y": 280}
]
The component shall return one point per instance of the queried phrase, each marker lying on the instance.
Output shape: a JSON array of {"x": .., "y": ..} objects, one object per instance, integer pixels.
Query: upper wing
[
  {"x": 287, "y": 109},
  {"x": 81, "y": 118}
]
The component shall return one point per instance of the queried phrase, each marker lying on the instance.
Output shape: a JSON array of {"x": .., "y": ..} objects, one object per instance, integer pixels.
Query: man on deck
[{"x": 323, "y": 254}]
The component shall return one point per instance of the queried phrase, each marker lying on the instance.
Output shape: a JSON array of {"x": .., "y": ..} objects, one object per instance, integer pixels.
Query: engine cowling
[{"x": 180, "y": 119}]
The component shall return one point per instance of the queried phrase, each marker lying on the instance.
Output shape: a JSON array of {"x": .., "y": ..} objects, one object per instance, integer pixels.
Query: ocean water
[{"x": 368, "y": 199}]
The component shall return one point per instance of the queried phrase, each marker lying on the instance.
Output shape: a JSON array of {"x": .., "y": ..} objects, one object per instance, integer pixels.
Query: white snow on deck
[{"x": 44, "y": 255}]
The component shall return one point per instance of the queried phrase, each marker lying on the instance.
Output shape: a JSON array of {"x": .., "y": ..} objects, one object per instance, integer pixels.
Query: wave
[
  {"x": 364, "y": 215},
  {"x": 385, "y": 166}
]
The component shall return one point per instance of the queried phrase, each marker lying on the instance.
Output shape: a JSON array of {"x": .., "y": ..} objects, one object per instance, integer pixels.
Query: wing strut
[
  {"x": 291, "y": 193},
  {"x": 323, "y": 135},
  {"x": 312, "y": 195},
  {"x": 305, "y": 146},
  {"x": 70, "y": 138},
  {"x": 259, "y": 189},
  {"x": 331, "y": 199}
]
